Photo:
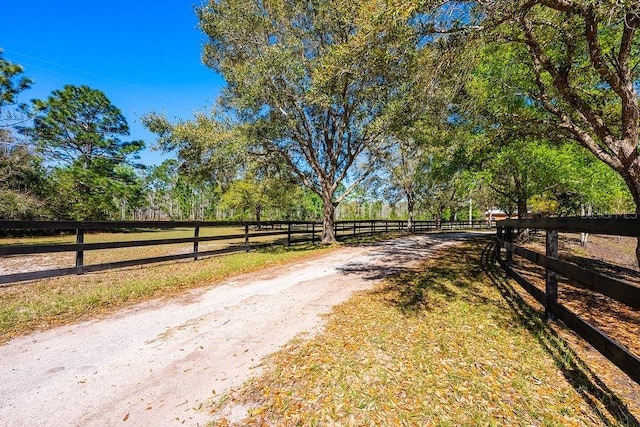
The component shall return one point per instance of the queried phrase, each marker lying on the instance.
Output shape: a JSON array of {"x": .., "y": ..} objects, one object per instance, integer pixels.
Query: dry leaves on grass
[
  {"x": 440, "y": 346},
  {"x": 48, "y": 303}
]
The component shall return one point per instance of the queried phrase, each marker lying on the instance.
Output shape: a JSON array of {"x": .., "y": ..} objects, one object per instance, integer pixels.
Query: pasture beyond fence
[
  {"x": 239, "y": 236},
  {"x": 614, "y": 288}
]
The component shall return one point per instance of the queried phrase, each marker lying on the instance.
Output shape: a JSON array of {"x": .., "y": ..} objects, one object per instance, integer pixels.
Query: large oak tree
[
  {"x": 580, "y": 69},
  {"x": 312, "y": 81}
]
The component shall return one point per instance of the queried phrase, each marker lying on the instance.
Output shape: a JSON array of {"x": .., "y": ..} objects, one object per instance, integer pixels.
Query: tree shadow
[
  {"x": 456, "y": 277},
  {"x": 412, "y": 289},
  {"x": 582, "y": 378},
  {"x": 605, "y": 268}
]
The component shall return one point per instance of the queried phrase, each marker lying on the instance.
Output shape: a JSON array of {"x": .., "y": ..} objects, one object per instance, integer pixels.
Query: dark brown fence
[
  {"x": 281, "y": 232},
  {"x": 614, "y": 288}
]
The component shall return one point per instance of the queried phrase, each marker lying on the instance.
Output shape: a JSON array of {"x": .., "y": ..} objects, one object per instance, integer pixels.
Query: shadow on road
[{"x": 393, "y": 257}]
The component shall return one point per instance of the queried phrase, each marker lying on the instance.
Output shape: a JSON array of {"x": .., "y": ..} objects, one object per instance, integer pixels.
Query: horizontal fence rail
[
  {"x": 619, "y": 290},
  {"x": 283, "y": 232}
]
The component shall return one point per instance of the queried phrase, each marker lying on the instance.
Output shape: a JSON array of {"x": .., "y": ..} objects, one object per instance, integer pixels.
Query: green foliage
[
  {"x": 521, "y": 151},
  {"x": 78, "y": 130},
  {"x": 22, "y": 185},
  {"x": 11, "y": 84},
  {"x": 311, "y": 81},
  {"x": 78, "y": 126},
  {"x": 573, "y": 65},
  {"x": 211, "y": 148}
]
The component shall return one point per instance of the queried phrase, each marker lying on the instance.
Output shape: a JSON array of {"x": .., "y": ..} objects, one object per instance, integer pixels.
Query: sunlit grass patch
[
  {"x": 439, "y": 346},
  {"x": 46, "y": 303}
]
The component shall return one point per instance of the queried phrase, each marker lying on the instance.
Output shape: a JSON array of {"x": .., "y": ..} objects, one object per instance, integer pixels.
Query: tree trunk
[
  {"x": 410, "y": 206},
  {"x": 522, "y": 207},
  {"x": 259, "y": 216},
  {"x": 328, "y": 219},
  {"x": 632, "y": 179}
]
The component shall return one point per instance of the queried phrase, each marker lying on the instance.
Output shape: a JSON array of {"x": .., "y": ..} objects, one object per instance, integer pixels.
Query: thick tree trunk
[
  {"x": 410, "y": 206},
  {"x": 328, "y": 220},
  {"x": 631, "y": 177},
  {"x": 328, "y": 217}
]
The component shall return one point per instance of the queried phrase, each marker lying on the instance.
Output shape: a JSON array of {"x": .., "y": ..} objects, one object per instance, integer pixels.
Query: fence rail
[
  {"x": 284, "y": 232},
  {"x": 614, "y": 288}
]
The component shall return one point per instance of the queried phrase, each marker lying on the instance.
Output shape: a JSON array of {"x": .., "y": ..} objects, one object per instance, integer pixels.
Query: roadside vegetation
[
  {"x": 47, "y": 303},
  {"x": 43, "y": 304},
  {"x": 451, "y": 343}
]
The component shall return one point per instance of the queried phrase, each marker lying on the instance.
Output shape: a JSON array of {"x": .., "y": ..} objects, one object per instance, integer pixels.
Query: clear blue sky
[{"x": 144, "y": 55}]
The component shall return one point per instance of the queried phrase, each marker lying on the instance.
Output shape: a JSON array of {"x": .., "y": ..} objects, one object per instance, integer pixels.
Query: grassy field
[
  {"x": 67, "y": 259},
  {"x": 43, "y": 304},
  {"x": 51, "y": 302},
  {"x": 450, "y": 344}
]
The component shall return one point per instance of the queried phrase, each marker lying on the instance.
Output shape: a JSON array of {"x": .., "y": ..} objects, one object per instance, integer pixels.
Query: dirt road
[{"x": 161, "y": 362}]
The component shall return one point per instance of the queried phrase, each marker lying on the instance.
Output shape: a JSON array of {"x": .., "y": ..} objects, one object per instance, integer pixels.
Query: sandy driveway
[{"x": 161, "y": 362}]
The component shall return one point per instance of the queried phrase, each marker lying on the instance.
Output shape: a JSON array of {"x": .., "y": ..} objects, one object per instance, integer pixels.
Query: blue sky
[{"x": 144, "y": 55}]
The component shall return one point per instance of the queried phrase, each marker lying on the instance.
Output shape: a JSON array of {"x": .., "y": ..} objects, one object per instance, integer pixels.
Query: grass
[
  {"x": 51, "y": 302},
  {"x": 47, "y": 261},
  {"x": 67, "y": 259},
  {"x": 43, "y": 304},
  {"x": 449, "y": 344}
]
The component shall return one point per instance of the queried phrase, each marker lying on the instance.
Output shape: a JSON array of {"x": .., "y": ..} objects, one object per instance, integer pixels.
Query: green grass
[
  {"x": 448, "y": 344},
  {"x": 46, "y": 303}
]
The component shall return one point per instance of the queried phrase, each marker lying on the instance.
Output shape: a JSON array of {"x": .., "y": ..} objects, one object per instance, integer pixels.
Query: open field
[
  {"x": 451, "y": 343},
  {"x": 51, "y": 302},
  {"x": 23, "y": 263}
]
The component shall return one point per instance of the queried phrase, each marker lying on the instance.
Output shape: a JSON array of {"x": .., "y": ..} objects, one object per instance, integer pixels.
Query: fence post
[
  {"x": 551, "y": 282},
  {"x": 500, "y": 236},
  {"x": 289, "y": 233},
  {"x": 246, "y": 237},
  {"x": 509, "y": 239},
  {"x": 80, "y": 251},
  {"x": 373, "y": 227},
  {"x": 313, "y": 232},
  {"x": 196, "y": 234},
  {"x": 335, "y": 230}
]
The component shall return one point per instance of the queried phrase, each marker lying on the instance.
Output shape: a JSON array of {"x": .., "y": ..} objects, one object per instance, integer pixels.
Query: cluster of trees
[
  {"x": 527, "y": 106},
  {"x": 62, "y": 158},
  {"x": 365, "y": 109}
]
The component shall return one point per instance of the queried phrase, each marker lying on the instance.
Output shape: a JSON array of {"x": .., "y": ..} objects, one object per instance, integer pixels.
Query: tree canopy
[
  {"x": 79, "y": 129},
  {"x": 401, "y": 109},
  {"x": 312, "y": 81},
  {"x": 12, "y": 82}
]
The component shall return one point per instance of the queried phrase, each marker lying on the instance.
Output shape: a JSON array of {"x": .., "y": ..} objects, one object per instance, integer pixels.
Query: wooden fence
[
  {"x": 282, "y": 232},
  {"x": 616, "y": 289}
]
